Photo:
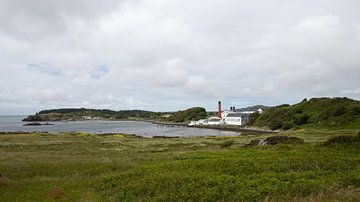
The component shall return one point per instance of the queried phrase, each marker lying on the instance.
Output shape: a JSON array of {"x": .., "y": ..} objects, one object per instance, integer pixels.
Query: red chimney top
[{"x": 219, "y": 109}]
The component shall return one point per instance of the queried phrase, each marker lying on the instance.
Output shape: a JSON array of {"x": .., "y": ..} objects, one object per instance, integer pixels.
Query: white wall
[{"x": 233, "y": 121}]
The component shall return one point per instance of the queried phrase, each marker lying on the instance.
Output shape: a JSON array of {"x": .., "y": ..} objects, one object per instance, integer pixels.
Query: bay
[{"x": 140, "y": 128}]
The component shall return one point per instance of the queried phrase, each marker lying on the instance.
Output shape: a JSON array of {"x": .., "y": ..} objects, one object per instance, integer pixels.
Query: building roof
[
  {"x": 214, "y": 119},
  {"x": 238, "y": 114}
]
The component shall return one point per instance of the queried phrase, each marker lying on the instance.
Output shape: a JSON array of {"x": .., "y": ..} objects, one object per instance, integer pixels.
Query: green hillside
[
  {"x": 191, "y": 114},
  {"x": 322, "y": 112},
  {"x": 80, "y": 113},
  {"x": 187, "y": 115}
]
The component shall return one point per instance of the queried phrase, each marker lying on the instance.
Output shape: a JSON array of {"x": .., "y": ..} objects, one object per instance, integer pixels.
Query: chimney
[{"x": 219, "y": 109}]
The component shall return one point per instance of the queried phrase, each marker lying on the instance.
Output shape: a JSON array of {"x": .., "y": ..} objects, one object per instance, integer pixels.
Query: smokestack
[{"x": 219, "y": 109}]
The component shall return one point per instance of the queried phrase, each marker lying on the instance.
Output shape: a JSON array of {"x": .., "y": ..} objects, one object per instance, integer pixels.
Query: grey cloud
[
  {"x": 42, "y": 18},
  {"x": 172, "y": 54}
]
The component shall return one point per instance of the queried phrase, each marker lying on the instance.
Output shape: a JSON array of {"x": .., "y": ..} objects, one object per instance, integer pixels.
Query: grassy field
[{"x": 84, "y": 167}]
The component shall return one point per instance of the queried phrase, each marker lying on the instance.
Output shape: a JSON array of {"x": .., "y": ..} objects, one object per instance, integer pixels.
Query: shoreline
[
  {"x": 221, "y": 127},
  {"x": 243, "y": 130}
]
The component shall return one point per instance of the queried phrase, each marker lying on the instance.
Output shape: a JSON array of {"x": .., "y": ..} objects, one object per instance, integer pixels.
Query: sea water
[{"x": 140, "y": 128}]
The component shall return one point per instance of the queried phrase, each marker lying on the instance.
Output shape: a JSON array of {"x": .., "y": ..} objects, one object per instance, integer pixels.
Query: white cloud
[
  {"x": 172, "y": 54},
  {"x": 318, "y": 22}
]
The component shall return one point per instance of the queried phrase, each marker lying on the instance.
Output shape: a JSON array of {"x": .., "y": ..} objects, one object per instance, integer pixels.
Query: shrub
[
  {"x": 274, "y": 140},
  {"x": 301, "y": 119},
  {"x": 338, "y": 111},
  {"x": 288, "y": 125},
  {"x": 253, "y": 143},
  {"x": 355, "y": 110},
  {"x": 275, "y": 124},
  {"x": 227, "y": 143},
  {"x": 253, "y": 117},
  {"x": 344, "y": 139}
]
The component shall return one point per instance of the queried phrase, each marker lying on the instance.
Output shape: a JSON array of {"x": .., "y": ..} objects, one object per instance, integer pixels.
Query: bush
[
  {"x": 253, "y": 117},
  {"x": 288, "y": 125},
  {"x": 344, "y": 139},
  {"x": 275, "y": 124},
  {"x": 274, "y": 140},
  {"x": 227, "y": 143},
  {"x": 338, "y": 111},
  {"x": 301, "y": 119}
]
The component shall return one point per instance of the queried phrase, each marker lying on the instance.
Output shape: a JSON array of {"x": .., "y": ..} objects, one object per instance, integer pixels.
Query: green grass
[{"x": 83, "y": 167}]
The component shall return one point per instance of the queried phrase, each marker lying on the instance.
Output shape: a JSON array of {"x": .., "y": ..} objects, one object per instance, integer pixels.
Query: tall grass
[{"x": 83, "y": 167}]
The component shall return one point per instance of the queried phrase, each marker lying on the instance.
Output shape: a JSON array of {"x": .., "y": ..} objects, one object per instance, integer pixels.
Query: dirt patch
[
  {"x": 4, "y": 181},
  {"x": 55, "y": 193}
]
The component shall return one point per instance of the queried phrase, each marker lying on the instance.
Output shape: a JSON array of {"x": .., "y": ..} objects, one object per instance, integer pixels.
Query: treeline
[
  {"x": 316, "y": 111},
  {"x": 104, "y": 113},
  {"x": 81, "y": 113}
]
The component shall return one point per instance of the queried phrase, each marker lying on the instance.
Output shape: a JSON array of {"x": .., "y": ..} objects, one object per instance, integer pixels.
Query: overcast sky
[{"x": 166, "y": 55}]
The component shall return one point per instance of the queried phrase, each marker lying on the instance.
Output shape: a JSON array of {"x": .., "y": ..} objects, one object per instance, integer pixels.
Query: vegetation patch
[
  {"x": 108, "y": 168},
  {"x": 324, "y": 112},
  {"x": 4, "y": 181},
  {"x": 344, "y": 139},
  {"x": 227, "y": 143},
  {"x": 55, "y": 193},
  {"x": 187, "y": 115},
  {"x": 274, "y": 140},
  {"x": 242, "y": 175}
]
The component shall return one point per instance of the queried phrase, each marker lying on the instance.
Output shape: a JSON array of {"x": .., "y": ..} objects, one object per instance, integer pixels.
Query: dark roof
[{"x": 239, "y": 114}]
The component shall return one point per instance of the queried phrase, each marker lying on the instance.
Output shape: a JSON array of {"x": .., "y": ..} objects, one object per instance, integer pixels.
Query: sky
[{"x": 168, "y": 55}]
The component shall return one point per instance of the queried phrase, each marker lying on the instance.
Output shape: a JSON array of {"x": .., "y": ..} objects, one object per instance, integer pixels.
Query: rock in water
[{"x": 32, "y": 124}]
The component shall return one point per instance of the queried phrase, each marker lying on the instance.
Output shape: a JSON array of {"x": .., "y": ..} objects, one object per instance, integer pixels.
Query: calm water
[{"x": 146, "y": 129}]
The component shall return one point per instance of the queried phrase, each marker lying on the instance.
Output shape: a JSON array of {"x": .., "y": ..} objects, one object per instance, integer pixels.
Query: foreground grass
[{"x": 82, "y": 167}]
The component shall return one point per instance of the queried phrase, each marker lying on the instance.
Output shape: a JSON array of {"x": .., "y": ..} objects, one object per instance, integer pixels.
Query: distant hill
[
  {"x": 317, "y": 111},
  {"x": 83, "y": 114},
  {"x": 251, "y": 108},
  {"x": 254, "y": 108},
  {"x": 188, "y": 115}
]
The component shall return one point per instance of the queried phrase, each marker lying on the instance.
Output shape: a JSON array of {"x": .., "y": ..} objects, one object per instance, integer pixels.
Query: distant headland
[{"x": 319, "y": 112}]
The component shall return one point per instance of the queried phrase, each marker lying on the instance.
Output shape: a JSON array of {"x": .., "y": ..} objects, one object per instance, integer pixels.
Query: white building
[
  {"x": 213, "y": 121},
  {"x": 87, "y": 117},
  {"x": 237, "y": 117},
  {"x": 200, "y": 122}
]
